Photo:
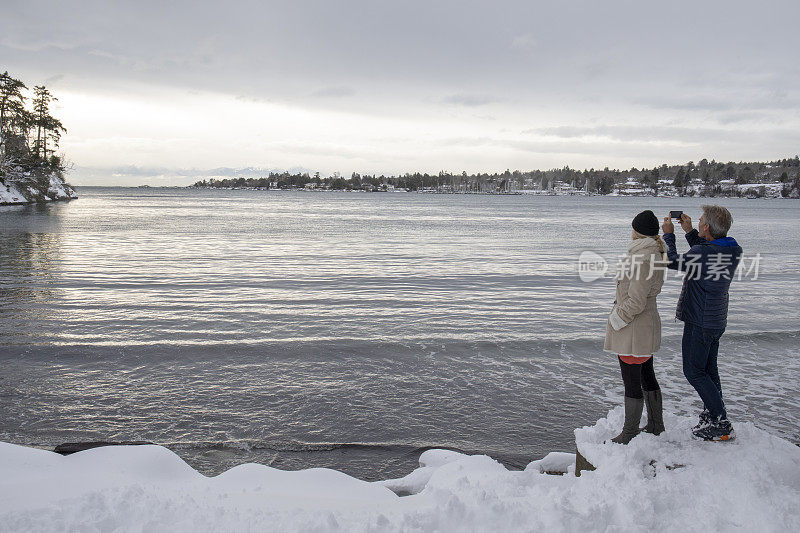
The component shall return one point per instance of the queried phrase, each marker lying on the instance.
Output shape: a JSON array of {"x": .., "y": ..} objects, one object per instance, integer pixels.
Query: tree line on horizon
[
  {"x": 706, "y": 174},
  {"x": 29, "y": 133}
]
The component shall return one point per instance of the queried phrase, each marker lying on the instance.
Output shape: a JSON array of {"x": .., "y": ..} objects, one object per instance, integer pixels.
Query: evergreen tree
[
  {"x": 605, "y": 185},
  {"x": 47, "y": 126},
  {"x": 14, "y": 118},
  {"x": 12, "y": 102},
  {"x": 680, "y": 179},
  {"x": 651, "y": 180}
]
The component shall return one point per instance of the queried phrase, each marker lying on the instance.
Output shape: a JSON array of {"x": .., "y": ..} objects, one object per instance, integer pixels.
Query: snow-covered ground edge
[
  {"x": 24, "y": 190},
  {"x": 665, "y": 483}
]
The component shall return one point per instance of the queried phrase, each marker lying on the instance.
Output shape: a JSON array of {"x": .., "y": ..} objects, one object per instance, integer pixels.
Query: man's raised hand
[
  {"x": 686, "y": 222},
  {"x": 668, "y": 226}
]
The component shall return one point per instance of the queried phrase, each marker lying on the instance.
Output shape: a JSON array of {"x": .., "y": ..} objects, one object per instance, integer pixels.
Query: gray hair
[{"x": 719, "y": 220}]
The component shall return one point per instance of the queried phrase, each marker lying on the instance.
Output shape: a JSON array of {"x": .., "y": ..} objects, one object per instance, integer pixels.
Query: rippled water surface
[{"x": 352, "y": 330}]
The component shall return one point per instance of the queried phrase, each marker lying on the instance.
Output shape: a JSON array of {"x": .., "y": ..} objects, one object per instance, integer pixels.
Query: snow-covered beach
[{"x": 665, "y": 483}]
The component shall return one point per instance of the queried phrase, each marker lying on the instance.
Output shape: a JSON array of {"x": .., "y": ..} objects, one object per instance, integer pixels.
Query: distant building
[{"x": 632, "y": 187}]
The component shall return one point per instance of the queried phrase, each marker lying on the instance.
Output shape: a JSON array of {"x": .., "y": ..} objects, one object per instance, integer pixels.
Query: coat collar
[{"x": 640, "y": 245}]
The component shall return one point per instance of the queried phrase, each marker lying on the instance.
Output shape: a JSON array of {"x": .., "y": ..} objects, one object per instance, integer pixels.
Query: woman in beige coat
[{"x": 633, "y": 330}]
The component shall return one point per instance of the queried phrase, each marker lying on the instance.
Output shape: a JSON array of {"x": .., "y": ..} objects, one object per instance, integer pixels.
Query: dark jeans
[
  {"x": 637, "y": 377},
  {"x": 700, "y": 347}
]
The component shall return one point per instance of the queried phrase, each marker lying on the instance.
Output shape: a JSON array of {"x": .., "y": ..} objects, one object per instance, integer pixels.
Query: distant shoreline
[{"x": 523, "y": 192}]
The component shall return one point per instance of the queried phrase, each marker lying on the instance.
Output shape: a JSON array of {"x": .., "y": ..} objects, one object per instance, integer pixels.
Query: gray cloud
[
  {"x": 438, "y": 44},
  {"x": 638, "y": 133},
  {"x": 686, "y": 103},
  {"x": 340, "y": 91},
  {"x": 470, "y": 100},
  {"x": 739, "y": 101},
  {"x": 657, "y": 144},
  {"x": 525, "y": 42},
  {"x": 700, "y": 139},
  {"x": 53, "y": 79},
  {"x": 752, "y": 117}
]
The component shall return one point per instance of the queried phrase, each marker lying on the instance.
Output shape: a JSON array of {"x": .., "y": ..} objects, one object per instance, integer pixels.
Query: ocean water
[{"x": 353, "y": 331}]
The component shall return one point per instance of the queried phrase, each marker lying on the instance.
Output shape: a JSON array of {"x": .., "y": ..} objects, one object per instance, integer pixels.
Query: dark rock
[
  {"x": 73, "y": 447},
  {"x": 581, "y": 464}
]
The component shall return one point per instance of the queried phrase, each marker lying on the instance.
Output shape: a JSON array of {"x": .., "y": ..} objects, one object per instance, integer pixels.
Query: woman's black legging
[{"x": 638, "y": 377}]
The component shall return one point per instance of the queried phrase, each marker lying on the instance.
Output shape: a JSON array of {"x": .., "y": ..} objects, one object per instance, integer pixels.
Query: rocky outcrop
[{"x": 32, "y": 187}]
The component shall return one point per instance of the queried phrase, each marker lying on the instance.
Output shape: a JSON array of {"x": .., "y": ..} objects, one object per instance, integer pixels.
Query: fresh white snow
[
  {"x": 9, "y": 194},
  {"x": 18, "y": 190},
  {"x": 664, "y": 483}
]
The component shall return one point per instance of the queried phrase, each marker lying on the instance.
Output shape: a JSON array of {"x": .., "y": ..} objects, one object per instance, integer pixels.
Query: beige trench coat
[{"x": 634, "y": 327}]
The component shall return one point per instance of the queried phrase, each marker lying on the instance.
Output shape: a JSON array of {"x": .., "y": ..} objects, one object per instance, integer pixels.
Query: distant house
[
  {"x": 632, "y": 187},
  {"x": 561, "y": 187},
  {"x": 666, "y": 188},
  {"x": 727, "y": 186}
]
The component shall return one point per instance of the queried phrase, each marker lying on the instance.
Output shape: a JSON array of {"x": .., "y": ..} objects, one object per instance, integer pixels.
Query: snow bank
[
  {"x": 59, "y": 190},
  {"x": 665, "y": 483},
  {"x": 11, "y": 195},
  {"x": 749, "y": 484}
]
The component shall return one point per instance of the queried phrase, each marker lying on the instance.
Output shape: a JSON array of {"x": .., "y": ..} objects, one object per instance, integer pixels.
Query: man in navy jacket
[{"x": 709, "y": 267}]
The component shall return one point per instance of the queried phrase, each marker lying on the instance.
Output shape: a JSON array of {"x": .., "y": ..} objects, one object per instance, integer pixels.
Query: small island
[{"x": 30, "y": 169}]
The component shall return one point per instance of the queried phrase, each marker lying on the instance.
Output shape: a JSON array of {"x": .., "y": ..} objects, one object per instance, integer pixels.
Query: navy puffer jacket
[{"x": 709, "y": 268}]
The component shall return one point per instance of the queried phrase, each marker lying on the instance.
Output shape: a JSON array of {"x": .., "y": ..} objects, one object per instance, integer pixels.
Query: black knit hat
[{"x": 646, "y": 223}]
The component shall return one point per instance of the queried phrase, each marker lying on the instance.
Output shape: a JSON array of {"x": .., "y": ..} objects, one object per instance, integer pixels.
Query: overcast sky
[{"x": 159, "y": 92}]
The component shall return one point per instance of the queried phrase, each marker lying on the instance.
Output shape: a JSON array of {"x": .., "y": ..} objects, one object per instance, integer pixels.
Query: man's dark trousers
[{"x": 700, "y": 347}]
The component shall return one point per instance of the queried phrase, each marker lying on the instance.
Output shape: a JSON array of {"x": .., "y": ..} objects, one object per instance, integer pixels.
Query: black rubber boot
[
  {"x": 655, "y": 412},
  {"x": 633, "y": 415}
]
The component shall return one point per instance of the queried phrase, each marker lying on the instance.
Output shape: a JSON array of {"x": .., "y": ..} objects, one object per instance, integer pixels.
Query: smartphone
[{"x": 675, "y": 214}]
